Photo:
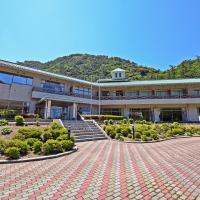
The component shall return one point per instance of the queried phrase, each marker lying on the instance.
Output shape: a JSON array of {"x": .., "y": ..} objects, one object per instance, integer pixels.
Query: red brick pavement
[{"x": 110, "y": 170}]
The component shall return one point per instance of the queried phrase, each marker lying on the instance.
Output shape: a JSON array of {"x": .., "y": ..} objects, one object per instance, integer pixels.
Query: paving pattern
[{"x": 109, "y": 170}]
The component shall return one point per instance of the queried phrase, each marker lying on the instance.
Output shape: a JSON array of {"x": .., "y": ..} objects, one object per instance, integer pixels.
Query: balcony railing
[{"x": 39, "y": 89}]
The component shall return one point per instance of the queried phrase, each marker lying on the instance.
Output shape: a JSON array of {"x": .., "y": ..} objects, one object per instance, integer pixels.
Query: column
[
  {"x": 74, "y": 116},
  {"x": 47, "y": 111},
  {"x": 192, "y": 114},
  {"x": 156, "y": 112},
  {"x": 126, "y": 112}
]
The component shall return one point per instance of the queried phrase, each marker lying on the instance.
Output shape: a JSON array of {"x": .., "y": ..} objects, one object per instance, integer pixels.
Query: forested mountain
[{"x": 94, "y": 67}]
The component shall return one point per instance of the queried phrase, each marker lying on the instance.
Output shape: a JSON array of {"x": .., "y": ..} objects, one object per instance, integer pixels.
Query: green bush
[
  {"x": 109, "y": 129},
  {"x": 13, "y": 152},
  {"x": 2, "y": 145},
  {"x": 105, "y": 122},
  {"x": 3, "y": 122},
  {"x": 118, "y": 135},
  {"x": 19, "y": 120},
  {"x": 137, "y": 135},
  {"x": 31, "y": 141},
  {"x": 144, "y": 138},
  {"x": 131, "y": 121},
  {"x": 18, "y": 136},
  {"x": 67, "y": 145},
  {"x": 37, "y": 146},
  {"x": 124, "y": 121},
  {"x": 110, "y": 121},
  {"x": 6, "y": 131},
  {"x": 169, "y": 133},
  {"x": 57, "y": 132},
  {"x": 129, "y": 136},
  {"x": 177, "y": 131},
  {"x": 56, "y": 125},
  {"x": 125, "y": 131},
  {"x": 21, "y": 145},
  {"x": 31, "y": 132},
  {"x": 7, "y": 114},
  {"x": 51, "y": 147},
  {"x": 62, "y": 137},
  {"x": 112, "y": 134},
  {"x": 154, "y": 136},
  {"x": 46, "y": 136}
]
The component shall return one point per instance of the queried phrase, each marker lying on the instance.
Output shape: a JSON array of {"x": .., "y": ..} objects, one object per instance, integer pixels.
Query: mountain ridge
[{"x": 93, "y": 67}]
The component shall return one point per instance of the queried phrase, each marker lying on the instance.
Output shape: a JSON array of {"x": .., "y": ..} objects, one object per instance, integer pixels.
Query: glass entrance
[
  {"x": 56, "y": 112},
  {"x": 171, "y": 115}
]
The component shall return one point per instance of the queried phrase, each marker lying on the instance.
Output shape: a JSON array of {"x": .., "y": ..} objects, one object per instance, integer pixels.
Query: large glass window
[
  {"x": 52, "y": 86},
  {"x": 140, "y": 114},
  {"x": 6, "y": 78},
  {"x": 196, "y": 92},
  {"x": 105, "y": 93},
  {"x": 171, "y": 114},
  {"x": 146, "y": 93},
  {"x": 132, "y": 94},
  {"x": 179, "y": 92},
  {"x": 11, "y": 78},
  {"x": 161, "y": 93},
  {"x": 82, "y": 91}
]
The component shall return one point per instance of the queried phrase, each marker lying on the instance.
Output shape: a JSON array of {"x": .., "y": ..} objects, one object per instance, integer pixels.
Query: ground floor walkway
[{"x": 109, "y": 170}]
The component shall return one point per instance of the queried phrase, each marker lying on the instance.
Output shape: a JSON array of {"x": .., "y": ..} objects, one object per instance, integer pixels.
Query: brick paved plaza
[{"x": 109, "y": 170}]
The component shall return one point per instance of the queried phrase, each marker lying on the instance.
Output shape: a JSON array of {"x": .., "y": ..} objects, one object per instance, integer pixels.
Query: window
[
  {"x": 177, "y": 92},
  {"x": 147, "y": 93},
  {"x": 196, "y": 92},
  {"x": 162, "y": 93},
  {"x": 82, "y": 91},
  {"x": 52, "y": 86},
  {"x": 105, "y": 93},
  {"x": 11, "y": 78},
  {"x": 120, "y": 74},
  {"x": 6, "y": 78},
  {"x": 119, "y": 93},
  {"x": 132, "y": 94},
  {"x": 115, "y": 75}
]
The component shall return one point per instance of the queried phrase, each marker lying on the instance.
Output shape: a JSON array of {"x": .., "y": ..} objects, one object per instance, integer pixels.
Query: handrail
[{"x": 184, "y": 96}]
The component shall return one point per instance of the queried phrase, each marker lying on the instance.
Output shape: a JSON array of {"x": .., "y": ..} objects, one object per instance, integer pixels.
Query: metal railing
[{"x": 184, "y": 96}]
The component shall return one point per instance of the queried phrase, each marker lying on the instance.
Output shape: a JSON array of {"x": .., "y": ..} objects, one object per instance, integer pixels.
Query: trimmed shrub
[
  {"x": 62, "y": 137},
  {"x": 7, "y": 114},
  {"x": 109, "y": 129},
  {"x": 3, "y": 122},
  {"x": 110, "y": 121},
  {"x": 37, "y": 147},
  {"x": 2, "y": 145},
  {"x": 125, "y": 131},
  {"x": 6, "y": 131},
  {"x": 105, "y": 122},
  {"x": 21, "y": 145},
  {"x": 131, "y": 121},
  {"x": 51, "y": 147},
  {"x": 31, "y": 141},
  {"x": 144, "y": 138},
  {"x": 117, "y": 136},
  {"x": 177, "y": 131},
  {"x": 56, "y": 125},
  {"x": 154, "y": 136},
  {"x": 137, "y": 135},
  {"x": 169, "y": 133},
  {"x": 67, "y": 145},
  {"x": 31, "y": 132},
  {"x": 13, "y": 152},
  {"x": 129, "y": 136},
  {"x": 112, "y": 134},
  {"x": 19, "y": 136},
  {"x": 46, "y": 136},
  {"x": 57, "y": 132},
  {"x": 19, "y": 120},
  {"x": 124, "y": 121}
]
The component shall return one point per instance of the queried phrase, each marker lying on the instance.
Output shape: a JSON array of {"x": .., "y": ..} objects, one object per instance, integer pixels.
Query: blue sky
[{"x": 150, "y": 32}]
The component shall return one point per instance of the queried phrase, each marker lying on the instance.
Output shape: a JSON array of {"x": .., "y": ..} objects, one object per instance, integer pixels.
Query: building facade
[{"x": 30, "y": 90}]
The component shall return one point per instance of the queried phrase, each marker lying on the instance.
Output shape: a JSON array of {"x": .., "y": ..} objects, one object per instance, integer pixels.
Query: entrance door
[{"x": 56, "y": 112}]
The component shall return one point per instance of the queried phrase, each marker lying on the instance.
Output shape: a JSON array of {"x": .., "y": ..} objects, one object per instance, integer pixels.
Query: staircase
[{"x": 84, "y": 130}]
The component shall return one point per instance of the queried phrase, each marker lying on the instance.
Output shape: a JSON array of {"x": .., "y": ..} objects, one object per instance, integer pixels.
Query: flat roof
[{"x": 103, "y": 84}]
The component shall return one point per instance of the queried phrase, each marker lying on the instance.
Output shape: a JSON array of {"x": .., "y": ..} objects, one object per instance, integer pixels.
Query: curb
[
  {"x": 39, "y": 158},
  {"x": 155, "y": 141}
]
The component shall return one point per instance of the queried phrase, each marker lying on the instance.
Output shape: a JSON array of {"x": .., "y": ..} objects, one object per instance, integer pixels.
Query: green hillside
[{"x": 92, "y": 67}]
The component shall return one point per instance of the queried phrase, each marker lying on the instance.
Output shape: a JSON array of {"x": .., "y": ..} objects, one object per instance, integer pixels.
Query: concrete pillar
[
  {"x": 184, "y": 114},
  {"x": 156, "y": 112},
  {"x": 74, "y": 115},
  {"x": 47, "y": 111},
  {"x": 192, "y": 114}
]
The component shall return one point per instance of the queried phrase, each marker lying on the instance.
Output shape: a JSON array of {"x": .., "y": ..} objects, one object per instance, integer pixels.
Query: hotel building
[{"x": 29, "y": 90}]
